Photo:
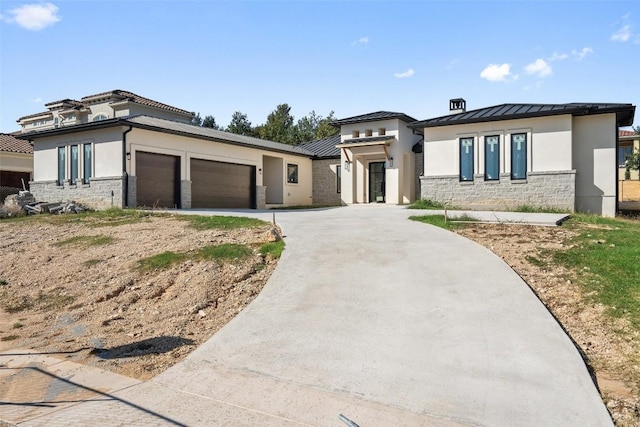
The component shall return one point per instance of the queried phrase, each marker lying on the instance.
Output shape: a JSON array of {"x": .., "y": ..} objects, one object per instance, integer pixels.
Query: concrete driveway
[{"x": 384, "y": 320}]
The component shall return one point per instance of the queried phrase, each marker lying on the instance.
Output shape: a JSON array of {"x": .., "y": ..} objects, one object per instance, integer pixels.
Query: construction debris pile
[{"x": 25, "y": 202}]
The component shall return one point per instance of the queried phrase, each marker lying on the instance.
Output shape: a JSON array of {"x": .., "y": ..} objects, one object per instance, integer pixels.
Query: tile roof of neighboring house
[
  {"x": 119, "y": 95},
  {"x": 623, "y": 133},
  {"x": 325, "y": 147},
  {"x": 373, "y": 117},
  {"x": 72, "y": 102},
  {"x": 625, "y": 113},
  {"x": 173, "y": 127},
  {"x": 30, "y": 116},
  {"x": 11, "y": 144},
  {"x": 130, "y": 96}
]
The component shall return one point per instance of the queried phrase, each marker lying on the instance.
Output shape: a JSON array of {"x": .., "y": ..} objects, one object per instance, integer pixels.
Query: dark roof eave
[
  {"x": 124, "y": 122},
  {"x": 622, "y": 119}
]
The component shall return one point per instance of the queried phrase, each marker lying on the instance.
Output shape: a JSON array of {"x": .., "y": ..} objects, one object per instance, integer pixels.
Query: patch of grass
[
  {"x": 3, "y": 282},
  {"x": 538, "y": 209},
  {"x": 272, "y": 249},
  {"x": 226, "y": 251},
  {"x": 536, "y": 261},
  {"x": 201, "y": 222},
  {"x": 86, "y": 241},
  {"x": 9, "y": 338},
  {"x": 437, "y": 220},
  {"x": 92, "y": 262},
  {"x": 115, "y": 217},
  {"x": 606, "y": 257},
  {"x": 17, "y": 305},
  {"x": 17, "y": 325},
  {"x": 160, "y": 261},
  {"x": 428, "y": 204},
  {"x": 55, "y": 300}
]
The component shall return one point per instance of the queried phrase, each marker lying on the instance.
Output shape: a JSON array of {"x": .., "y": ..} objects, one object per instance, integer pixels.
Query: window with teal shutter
[
  {"x": 87, "y": 163},
  {"x": 519, "y": 156},
  {"x": 62, "y": 163},
  {"x": 74, "y": 164},
  {"x": 491, "y": 158},
  {"x": 466, "y": 159}
]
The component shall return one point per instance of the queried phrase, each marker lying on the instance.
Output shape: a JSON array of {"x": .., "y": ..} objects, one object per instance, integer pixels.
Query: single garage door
[
  {"x": 222, "y": 185},
  {"x": 157, "y": 180}
]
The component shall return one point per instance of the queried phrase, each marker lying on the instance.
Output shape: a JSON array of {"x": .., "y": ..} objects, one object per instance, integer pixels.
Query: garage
[
  {"x": 157, "y": 180},
  {"x": 222, "y": 185}
]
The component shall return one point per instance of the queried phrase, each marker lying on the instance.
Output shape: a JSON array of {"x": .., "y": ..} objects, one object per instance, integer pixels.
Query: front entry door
[{"x": 376, "y": 182}]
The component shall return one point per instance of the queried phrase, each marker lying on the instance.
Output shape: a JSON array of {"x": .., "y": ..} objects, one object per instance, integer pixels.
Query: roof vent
[{"x": 457, "y": 105}]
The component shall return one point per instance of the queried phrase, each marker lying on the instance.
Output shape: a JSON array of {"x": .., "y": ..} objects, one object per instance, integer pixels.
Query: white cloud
[
  {"x": 496, "y": 73},
  {"x": 539, "y": 67},
  {"x": 558, "y": 56},
  {"x": 33, "y": 17},
  {"x": 361, "y": 40},
  {"x": 37, "y": 100},
  {"x": 623, "y": 34},
  {"x": 406, "y": 74},
  {"x": 582, "y": 53}
]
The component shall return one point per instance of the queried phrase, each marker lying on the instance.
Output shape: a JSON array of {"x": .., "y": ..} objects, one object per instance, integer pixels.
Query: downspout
[
  {"x": 617, "y": 169},
  {"x": 125, "y": 175}
]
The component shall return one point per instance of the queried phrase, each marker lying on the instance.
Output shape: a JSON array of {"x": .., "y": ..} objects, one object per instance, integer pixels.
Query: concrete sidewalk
[{"x": 384, "y": 320}]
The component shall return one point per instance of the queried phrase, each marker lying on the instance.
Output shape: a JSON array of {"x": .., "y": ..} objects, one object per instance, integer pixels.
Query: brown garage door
[
  {"x": 157, "y": 180},
  {"x": 222, "y": 185}
]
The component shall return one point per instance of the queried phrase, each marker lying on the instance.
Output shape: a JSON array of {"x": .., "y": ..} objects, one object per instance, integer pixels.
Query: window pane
[
  {"x": 466, "y": 159},
  {"x": 519, "y": 156},
  {"x": 61, "y": 165},
  {"x": 491, "y": 157},
  {"x": 623, "y": 152},
  {"x": 88, "y": 154},
  {"x": 74, "y": 164},
  {"x": 338, "y": 178},
  {"x": 292, "y": 173}
]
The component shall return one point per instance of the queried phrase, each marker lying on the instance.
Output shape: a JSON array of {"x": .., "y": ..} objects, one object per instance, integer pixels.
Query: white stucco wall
[
  {"x": 595, "y": 160},
  {"x": 355, "y": 182},
  {"x": 548, "y": 145},
  {"x": 107, "y": 149},
  {"x": 187, "y": 148},
  {"x": 16, "y": 162}
]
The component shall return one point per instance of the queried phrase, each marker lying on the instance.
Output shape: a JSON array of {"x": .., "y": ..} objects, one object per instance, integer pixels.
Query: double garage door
[{"x": 213, "y": 184}]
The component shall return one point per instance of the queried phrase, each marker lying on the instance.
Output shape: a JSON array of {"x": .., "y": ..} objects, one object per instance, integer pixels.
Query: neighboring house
[
  {"x": 101, "y": 106},
  {"x": 327, "y": 171},
  {"x": 555, "y": 155},
  {"x": 158, "y": 159},
  {"x": 628, "y": 189},
  {"x": 16, "y": 161},
  {"x": 629, "y": 142},
  {"x": 378, "y": 158}
]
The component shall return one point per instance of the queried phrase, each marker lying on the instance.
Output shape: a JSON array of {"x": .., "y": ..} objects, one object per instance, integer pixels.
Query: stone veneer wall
[
  {"x": 540, "y": 189},
  {"x": 325, "y": 184},
  {"x": 100, "y": 193},
  {"x": 185, "y": 194},
  {"x": 261, "y": 197}
]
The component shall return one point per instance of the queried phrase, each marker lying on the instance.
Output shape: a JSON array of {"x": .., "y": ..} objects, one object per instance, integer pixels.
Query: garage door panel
[
  {"x": 221, "y": 185},
  {"x": 156, "y": 180}
]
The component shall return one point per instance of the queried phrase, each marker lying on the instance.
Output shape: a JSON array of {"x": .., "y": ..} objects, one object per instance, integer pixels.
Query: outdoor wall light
[
  {"x": 128, "y": 156},
  {"x": 390, "y": 162},
  {"x": 347, "y": 165}
]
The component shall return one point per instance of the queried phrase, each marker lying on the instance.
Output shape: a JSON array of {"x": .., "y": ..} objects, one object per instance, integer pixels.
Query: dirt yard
[
  {"x": 87, "y": 301},
  {"x": 75, "y": 290}
]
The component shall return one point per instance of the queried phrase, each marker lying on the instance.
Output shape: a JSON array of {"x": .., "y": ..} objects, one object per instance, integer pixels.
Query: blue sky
[{"x": 217, "y": 57}]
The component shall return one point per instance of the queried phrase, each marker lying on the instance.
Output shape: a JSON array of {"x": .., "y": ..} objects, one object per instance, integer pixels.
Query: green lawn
[{"x": 606, "y": 257}]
